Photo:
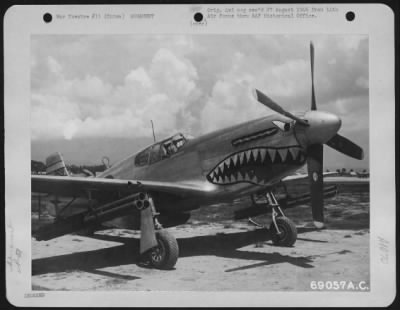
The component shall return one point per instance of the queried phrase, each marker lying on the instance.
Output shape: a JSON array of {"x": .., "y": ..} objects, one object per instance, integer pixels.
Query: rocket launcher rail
[
  {"x": 285, "y": 203},
  {"x": 92, "y": 218}
]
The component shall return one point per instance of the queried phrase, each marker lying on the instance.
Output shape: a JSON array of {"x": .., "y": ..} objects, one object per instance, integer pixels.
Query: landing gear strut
[
  {"x": 283, "y": 230},
  {"x": 166, "y": 253}
]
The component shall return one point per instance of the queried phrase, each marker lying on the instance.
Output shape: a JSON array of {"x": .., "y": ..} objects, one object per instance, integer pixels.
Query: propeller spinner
[{"x": 318, "y": 128}]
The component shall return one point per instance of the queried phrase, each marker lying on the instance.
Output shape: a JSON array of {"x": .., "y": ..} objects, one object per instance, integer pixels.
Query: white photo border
[{"x": 374, "y": 20}]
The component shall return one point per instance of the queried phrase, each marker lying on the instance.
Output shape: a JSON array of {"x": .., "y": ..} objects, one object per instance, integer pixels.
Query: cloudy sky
[{"x": 95, "y": 95}]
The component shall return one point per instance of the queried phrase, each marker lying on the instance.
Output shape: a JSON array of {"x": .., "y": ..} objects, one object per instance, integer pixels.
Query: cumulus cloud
[
  {"x": 287, "y": 79},
  {"x": 89, "y": 106},
  {"x": 49, "y": 115},
  {"x": 95, "y": 86},
  {"x": 231, "y": 99}
]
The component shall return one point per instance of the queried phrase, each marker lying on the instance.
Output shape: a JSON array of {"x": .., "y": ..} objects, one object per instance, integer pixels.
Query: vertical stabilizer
[{"x": 55, "y": 165}]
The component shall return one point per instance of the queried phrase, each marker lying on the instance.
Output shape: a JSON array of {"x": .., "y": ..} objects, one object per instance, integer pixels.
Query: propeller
[
  {"x": 318, "y": 128},
  {"x": 314, "y": 166},
  {"x": 265, "y": 100},
  {"x": 315, "y": 160},
  {"x": 313, "y": 103},
  {"x": 345, "y": 146}
]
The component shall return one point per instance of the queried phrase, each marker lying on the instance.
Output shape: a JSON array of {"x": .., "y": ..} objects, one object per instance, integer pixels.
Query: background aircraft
[{"x": 164, "y": 182}]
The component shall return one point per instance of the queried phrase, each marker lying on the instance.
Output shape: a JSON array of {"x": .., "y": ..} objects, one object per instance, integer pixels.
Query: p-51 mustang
[{"x": 164, "y": 182}]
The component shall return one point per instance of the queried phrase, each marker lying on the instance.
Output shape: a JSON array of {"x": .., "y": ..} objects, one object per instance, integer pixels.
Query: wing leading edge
[{"x": 79, "y": 186}]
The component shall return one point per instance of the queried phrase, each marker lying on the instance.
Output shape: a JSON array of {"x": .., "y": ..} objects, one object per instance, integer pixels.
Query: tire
[
  {"x": 166, "y": 254},
  {"x": 288, "y": 232}
]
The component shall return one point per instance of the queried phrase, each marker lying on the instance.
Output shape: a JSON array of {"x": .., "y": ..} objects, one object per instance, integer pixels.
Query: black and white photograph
[
  {"x": 166, "y": 134},
  {"x": 198, "y": 161}
]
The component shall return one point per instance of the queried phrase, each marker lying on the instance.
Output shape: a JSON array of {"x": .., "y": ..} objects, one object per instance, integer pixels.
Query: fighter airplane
[{"x": 162, "y": 183}]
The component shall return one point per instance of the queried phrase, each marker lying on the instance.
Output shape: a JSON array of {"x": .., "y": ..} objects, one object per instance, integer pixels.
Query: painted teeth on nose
[
  {"x": 283, "y": 154},
  {"x": 242, "y": 158},
  {"x": 295, "y": 152},
  {"x": 248, "y": 155},
  {"x": 235, "y": 159},
  {"x": 255, "y": 154},
  {"x": 212, "y": 175},
  {"x": 227, "y": 163},
  {"x": 231, "y": 169},
  {"x": 262, "y": 153},
  {"x": 272, "y": 154}
]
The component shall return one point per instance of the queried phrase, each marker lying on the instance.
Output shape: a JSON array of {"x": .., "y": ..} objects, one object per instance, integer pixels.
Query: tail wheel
[
  {"x": 166, "y": 254},
  {"x": 287, "y": 232}
]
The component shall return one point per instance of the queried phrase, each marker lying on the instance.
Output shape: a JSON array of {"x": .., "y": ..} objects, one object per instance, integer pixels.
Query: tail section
[{"x": 55, "y": 165}]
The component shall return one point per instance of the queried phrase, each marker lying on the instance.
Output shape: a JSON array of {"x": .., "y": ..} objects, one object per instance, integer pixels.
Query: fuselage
[{"x": 230, "y": 162}]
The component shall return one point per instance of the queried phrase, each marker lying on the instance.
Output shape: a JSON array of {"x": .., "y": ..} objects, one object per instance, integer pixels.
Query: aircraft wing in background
[{"x": 296, "y": 177}]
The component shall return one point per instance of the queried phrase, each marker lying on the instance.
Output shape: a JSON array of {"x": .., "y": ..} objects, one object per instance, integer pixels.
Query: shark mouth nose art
[{"x": 254, "y": 165}]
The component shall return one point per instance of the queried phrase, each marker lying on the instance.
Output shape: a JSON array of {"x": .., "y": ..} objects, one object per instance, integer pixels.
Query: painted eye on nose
[{"x": 282, "y": 125}]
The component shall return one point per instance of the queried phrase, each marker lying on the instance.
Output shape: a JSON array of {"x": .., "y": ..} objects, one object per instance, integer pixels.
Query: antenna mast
[{"x": 152, "y": 127}]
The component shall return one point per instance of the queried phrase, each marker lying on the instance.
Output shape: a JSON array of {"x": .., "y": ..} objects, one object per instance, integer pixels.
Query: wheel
[
  {"x": 165, "y": 255},
  {"x": 288, "y": 232}
]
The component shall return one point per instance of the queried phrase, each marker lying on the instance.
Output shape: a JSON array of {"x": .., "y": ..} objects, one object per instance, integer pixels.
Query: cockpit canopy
[{"x": 160, "y": 150}]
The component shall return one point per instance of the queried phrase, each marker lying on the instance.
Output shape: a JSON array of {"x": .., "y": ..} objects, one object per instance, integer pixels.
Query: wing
[
  {"x": 297, "y": 177},
  {"x": 80, "y": 186}
]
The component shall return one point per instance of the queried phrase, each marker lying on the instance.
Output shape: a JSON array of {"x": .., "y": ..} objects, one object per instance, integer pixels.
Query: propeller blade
[
  {"x": 345, "y": 146},
  {"x": 265, "y": 100},
  {"x": 147, "y": 232},
  {"x": 315, "y": 176},
  {"x": 313, "y": 103}
]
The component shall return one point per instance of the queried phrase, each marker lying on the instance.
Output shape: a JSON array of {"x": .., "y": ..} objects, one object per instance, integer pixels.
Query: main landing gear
[
  {"x": 166, "y": 253},
  {"x": 283, "y": 231}
]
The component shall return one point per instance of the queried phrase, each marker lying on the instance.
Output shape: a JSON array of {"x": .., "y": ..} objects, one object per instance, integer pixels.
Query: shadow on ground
[
  {"x": 346, "y": 211},
  {"x": 222, "y": 245}
]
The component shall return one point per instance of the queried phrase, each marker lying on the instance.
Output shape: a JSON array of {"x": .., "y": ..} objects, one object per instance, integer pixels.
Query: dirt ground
[
  {"x": 211, "y": 258},
  {"x": 216, "y": 254}
]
